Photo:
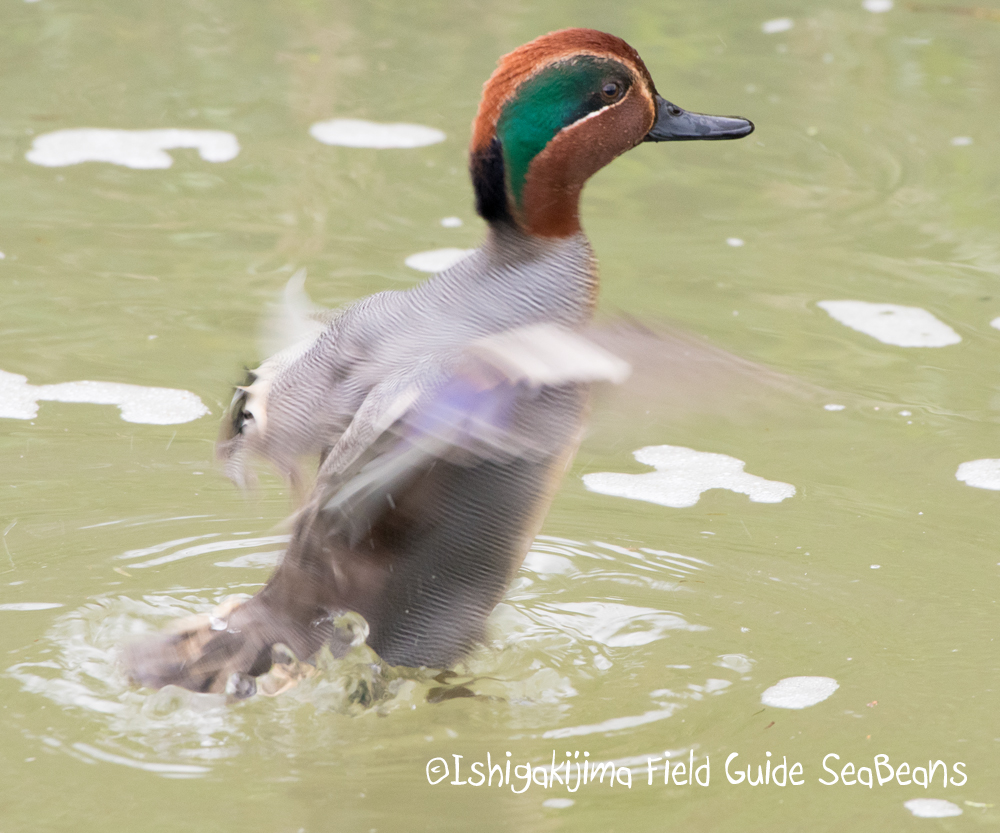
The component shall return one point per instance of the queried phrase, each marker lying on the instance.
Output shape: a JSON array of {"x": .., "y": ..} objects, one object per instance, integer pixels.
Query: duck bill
[{"x": 676, "y": 125}]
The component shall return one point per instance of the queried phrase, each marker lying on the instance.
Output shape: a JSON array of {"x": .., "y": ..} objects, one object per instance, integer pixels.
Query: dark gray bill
[{"x": 676, "y": 125}]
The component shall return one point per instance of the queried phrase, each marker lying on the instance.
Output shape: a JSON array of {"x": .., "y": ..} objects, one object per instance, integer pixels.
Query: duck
[{"x": 443, "y": 417}]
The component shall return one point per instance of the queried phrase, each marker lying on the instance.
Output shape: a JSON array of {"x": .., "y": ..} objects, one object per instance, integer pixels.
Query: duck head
[{"x": 559, "y": 109}]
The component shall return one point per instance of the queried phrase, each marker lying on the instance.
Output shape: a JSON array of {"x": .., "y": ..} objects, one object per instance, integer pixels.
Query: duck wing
[
  {"x": 681, "y": 375},
  {"x": 423, "y": 530}
]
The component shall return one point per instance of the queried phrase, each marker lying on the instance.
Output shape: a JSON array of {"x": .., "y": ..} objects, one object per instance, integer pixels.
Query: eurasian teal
[{"x": 445, "y": 415}]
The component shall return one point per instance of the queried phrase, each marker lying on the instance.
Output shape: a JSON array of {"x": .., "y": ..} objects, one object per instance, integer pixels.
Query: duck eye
[{"x": 611, "y": 90}]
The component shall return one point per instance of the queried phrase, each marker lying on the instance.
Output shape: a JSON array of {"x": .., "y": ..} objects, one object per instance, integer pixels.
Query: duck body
[
  {"x": 444, "y": 415},
  {"x": 336, "y": 393}
]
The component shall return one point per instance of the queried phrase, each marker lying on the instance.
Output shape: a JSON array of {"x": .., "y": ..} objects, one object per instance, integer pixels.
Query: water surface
[{"x": 635, "y": 628}]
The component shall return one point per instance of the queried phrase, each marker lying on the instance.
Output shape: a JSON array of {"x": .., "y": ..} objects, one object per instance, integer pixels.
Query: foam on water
[
  {"x": 995, "y": 323},
  {"x": 877, "y": 6},
  {"x": 799, "y": 692},
  {"x": 892, "y": 323},
  {"x": 736, "y": 662},
  {"x": 779, "y": 24},
  {"x": 436, "y": 260},
  {"x": 357, "y": 133},
  {"x": 983, "y": 474},
  {"x": 141, "y": 149},
  {"x": 932, "y": 808},
  {"x": 682, "y": 475},
  {"x": 151, "y": 406}
]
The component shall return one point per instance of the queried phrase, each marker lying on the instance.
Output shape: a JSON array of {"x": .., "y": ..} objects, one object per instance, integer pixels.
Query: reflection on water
[{"x": 201, "y": 549}]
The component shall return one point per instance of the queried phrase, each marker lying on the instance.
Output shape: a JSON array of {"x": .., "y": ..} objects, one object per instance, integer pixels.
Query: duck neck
[
  {"x": 558, "y": 274},
  {"x": 541, "y": 200}
]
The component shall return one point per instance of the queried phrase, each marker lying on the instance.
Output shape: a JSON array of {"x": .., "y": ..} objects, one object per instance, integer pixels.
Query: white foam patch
[
  {"x": 558, "y": 803},
  {"x": 30, "y": 606},
  {"x": 735, "y": 242},
  {"x": 152, "y": 406},
  {"x": 833, "y": 407},
  {"x": 932, "y": 808},
  {"x": 877, "y": 6},
  {"x": 983, "y": 474},
  {"x": 357, "y": 133},
  {"x": 141, "y": 149},
  {"x": 437, "y": 260},
  {"x": 682, "y": 475},
  {"x": 892, "y": 323},
  {"x": 799, "y": 692},
  {"x": 736, "y": 662},
  {"x": 995, "y": 323},
  {"x": 779, "y": 24},
  {"x": 961, "y": 141}
]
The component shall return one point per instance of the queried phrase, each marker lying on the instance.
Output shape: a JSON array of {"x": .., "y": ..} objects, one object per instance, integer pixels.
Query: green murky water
[{"x": 634, "y": 628}]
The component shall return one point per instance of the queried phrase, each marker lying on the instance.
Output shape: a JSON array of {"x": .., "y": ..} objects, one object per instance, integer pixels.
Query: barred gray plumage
[
  {"x": 445, "y": 416},
  {"x": 334, "y": 393}
]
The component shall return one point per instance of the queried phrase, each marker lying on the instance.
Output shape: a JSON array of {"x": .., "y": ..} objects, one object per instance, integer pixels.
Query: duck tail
[{"x": 222, "y": 651}]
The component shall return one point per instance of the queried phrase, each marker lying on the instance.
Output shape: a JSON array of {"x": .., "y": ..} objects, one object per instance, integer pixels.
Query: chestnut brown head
[{"x": 556, "y": 111}]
